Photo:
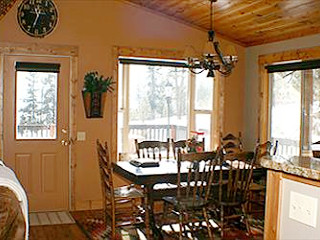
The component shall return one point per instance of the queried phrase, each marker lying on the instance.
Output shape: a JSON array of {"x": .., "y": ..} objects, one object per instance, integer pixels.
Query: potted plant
[{"x": 93, "y": 93}]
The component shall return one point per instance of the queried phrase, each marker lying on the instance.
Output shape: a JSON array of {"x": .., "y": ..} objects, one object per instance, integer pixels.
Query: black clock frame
[{"x": 37, "y": 18}]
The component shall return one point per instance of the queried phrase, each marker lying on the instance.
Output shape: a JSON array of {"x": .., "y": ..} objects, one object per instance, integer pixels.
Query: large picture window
[
  {"x": 295, "y": 106},
  {"x": 162, "y": 101}
]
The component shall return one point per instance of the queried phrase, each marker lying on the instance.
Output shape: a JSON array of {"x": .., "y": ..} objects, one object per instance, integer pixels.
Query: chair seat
[
  {"x": 186, "y": 203},
  {"x": 164, "y": 186},
  {"x": 127, "y": 192}
]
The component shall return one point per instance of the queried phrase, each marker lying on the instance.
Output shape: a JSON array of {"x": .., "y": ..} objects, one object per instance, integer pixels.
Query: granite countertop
[{"x": 308, "y": 167}]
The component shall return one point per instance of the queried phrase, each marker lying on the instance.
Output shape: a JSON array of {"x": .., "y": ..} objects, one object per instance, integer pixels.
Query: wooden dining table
[{"x": 148, "y": 177}]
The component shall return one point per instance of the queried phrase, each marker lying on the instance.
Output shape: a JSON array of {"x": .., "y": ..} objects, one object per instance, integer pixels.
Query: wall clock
[{"x": 37, "y": 18}]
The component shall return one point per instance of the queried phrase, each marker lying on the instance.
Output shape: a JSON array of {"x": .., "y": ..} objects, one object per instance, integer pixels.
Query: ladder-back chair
[
  {"x": 231, "y": 144},
  {"x": 258, "y": 185},
  {"x": 230, "y": 196},
  {"x": 120, "y": 204}
]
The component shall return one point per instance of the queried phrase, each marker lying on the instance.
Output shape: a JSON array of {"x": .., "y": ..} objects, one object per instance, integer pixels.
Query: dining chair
[
  {"x": 120, "y": 204},
  {"x": 257, "y": 190},
  {"x": 169, "y": 189},
  {"x": 155, "y": 150},
  {"x": 194, "y": 179},
  {"x": 152, "y": 149},
  {"x": 231, "y": 144},
  {"x": 229, "y": 198},
  {"x": 183, "y": 146}
]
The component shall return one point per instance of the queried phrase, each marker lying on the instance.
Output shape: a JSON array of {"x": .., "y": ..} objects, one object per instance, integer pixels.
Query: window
[
  {"x": 295, "y": 106},
  {"x": 161, "y": 101},
  {"x": 36, "y": 100}
]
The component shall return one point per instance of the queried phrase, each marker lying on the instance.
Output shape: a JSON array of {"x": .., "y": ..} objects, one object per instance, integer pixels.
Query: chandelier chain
[{"x": 213, "y": 60}]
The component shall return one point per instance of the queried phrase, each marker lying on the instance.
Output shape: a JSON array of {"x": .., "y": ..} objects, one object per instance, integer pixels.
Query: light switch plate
[
  {"x": 81, "y": 136},
  {"x": 303, "y": 208}
]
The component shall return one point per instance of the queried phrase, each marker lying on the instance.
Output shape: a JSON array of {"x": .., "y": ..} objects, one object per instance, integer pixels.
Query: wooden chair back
[
  {"x": 182, "y": 146},
  {"x": 200, "y": 175},
  {"x": 152, "y": 149},
  {"x": 231, "y": 144},
  {"x": 266, "y": 149},
  {"x": 234, "y": 182},
  {"x": 178, "y": 145},
  {"x": 106, "y": 175}
]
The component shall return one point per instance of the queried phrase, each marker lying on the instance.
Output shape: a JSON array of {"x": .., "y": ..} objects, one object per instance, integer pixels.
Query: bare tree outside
[{"x": 36, "y": 115}]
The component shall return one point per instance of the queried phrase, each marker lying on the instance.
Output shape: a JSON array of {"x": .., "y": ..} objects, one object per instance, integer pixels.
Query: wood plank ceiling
[
  {"x": 248, "y": 22},
  {"x": 5, "y": 6}
]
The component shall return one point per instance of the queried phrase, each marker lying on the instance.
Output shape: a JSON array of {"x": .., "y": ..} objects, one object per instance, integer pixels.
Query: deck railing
[
  {"x": 36, "y": 131},
  {"x": 158, "y": 132}
]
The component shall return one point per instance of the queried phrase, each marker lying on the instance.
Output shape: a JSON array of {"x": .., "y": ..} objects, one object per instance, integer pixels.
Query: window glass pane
[
  {"x": 36, "y": 105},
  {"x": 203, "y": 91},
  {"x": 315, "y": 117},
  {"x": 286, "y": 111},
  {"x": 203, "y": 124},
  {"x": 158, "y": 106}
]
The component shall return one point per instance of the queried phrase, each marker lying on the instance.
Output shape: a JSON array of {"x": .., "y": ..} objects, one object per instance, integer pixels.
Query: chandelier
[{"x": 212, "y": 59}]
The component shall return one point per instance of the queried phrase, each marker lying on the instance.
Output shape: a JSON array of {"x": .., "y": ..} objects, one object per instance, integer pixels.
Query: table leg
[{"x": 156, "y": 232}]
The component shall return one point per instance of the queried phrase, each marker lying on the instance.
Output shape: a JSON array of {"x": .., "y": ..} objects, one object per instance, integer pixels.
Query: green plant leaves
[{"x": 95, "y": 83}]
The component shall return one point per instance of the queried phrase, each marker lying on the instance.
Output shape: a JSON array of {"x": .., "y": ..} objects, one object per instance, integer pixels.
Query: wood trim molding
[
  {"x": 291, "y": 55},
  {"x": 1, "y": 102},
  {"x": 38, "y": 49},
  {"x": 34, "y": 49},
  {"x": 164, "y": 54},
  {"x": 218, "y": 111},
  {"x": 271, "y": 227}
]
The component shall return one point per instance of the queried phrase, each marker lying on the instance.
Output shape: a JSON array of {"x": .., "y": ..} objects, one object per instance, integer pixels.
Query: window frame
[
  {"x": 264, "y": 113},
  {"x": 192, "y": 111},
  {"x": 218, "y": 108}
]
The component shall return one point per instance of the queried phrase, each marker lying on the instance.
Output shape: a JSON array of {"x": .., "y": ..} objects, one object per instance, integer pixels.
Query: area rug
[{"x": 92, "y": 224}]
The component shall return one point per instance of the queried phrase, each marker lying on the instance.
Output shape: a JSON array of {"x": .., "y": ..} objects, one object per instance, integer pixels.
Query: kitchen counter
[
  {"x": 292, "y": 196},
  {"x": 307, "y": 167}
]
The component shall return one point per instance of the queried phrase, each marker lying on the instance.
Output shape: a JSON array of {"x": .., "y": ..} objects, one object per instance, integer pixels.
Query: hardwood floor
[
  {"x": 73, "y": 232},
  {"x": 56, "y": 232}
]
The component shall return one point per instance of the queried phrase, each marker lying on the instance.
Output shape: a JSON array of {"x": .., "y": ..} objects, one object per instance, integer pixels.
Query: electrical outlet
[
  {"x": 81, "y": 136},
  {"x": 303, "y": 208}
]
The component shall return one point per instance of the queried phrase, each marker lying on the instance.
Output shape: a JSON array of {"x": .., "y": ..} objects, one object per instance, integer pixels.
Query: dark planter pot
[{"x": 93, "y": 104}]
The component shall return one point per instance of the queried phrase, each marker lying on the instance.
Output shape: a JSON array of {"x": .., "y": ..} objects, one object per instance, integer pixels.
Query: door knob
[{"x": 65, "y": 142}]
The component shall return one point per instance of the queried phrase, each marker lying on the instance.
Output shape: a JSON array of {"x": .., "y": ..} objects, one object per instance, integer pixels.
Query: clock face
[{"x": 37, "y": 18}]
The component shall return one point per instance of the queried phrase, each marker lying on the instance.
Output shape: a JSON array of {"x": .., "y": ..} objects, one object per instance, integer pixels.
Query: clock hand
[{"x": 37, "y": 11}]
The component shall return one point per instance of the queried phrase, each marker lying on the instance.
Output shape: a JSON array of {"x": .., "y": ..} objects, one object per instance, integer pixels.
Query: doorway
[{"x": 36, "y": 128}]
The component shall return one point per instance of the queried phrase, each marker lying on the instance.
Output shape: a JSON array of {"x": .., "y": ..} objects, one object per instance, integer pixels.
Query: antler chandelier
[{"x": 212, "y": 60}]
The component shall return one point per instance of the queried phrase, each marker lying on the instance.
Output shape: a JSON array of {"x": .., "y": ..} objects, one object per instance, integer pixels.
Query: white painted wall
[{"x": 251, "y": 90}]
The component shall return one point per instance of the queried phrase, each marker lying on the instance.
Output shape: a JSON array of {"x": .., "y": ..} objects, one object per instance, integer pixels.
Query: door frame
[{"x": 48, "y": 50}]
